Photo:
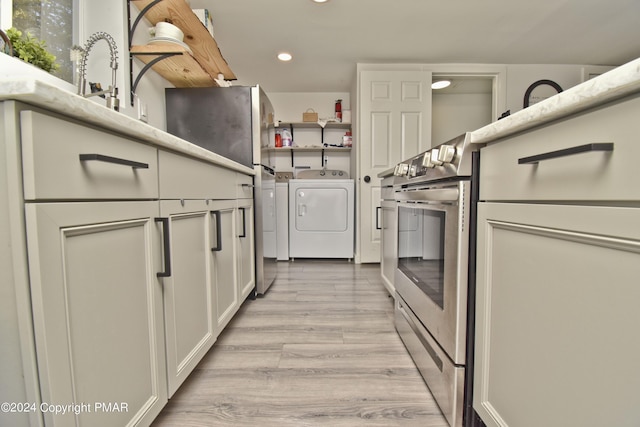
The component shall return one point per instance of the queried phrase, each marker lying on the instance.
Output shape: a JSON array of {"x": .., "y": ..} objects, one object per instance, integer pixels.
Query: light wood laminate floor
[{"x": 319, "y": 349}]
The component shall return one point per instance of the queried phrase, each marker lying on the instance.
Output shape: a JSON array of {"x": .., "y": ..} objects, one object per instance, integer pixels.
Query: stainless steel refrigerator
[{"x": 235, "y": 122}]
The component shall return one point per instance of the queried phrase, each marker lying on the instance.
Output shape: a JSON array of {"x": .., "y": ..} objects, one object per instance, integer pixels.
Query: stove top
[{"x": 451, "y": 159}]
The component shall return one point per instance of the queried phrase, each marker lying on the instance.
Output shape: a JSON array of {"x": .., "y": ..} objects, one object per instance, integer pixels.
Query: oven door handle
[{"x": 431, "y": 195}]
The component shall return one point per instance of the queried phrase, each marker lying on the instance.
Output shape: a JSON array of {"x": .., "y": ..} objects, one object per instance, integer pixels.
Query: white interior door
[{"x": 395, "y": 123}]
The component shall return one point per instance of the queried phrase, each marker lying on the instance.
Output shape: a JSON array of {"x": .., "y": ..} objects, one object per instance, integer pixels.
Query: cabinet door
[
  {"x": 557, "y": 315},
  {"x": 246, "y": 260},
  {"x": 97, "y": 308},
  {"x": 395, "y": 124},
  {"x": 224, "y": 274},
  {"x": 189, "y": 298}
]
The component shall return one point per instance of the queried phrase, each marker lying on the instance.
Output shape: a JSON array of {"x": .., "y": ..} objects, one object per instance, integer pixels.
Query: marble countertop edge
[
  {"x": 49, "y": 97},
  {"x": 617, "y": 83}
]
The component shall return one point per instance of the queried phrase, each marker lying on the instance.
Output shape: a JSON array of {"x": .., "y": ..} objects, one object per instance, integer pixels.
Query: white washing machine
[{"x": 321, "y": 215}]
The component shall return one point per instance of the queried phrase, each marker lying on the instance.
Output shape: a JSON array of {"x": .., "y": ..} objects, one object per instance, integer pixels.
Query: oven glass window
[{"x": 421, "y": 250}]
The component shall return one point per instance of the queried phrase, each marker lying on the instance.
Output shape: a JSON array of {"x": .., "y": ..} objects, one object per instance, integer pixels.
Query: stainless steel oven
[{"x": 435, "y": 252}]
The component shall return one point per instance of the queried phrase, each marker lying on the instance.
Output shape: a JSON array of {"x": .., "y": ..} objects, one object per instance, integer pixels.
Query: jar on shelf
[{"x": 347, "y": 139}]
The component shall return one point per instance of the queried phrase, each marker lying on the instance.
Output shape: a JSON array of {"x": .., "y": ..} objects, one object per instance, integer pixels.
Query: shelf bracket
[
  {"x": 292, "y": 139},
  {"x": 146, "y": 68},
  {"x": 132, "y": 29},
  {"x": 139, "y": 17}
]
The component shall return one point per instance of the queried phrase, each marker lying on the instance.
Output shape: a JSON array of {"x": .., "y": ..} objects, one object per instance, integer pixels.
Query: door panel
[
  {"x": 223, "y": 272},
  {"x": 189, "y": 307},
  {"x": 99, "y": 331},
  {"x": 557, "y": 315},
  {"x": 380, "y": 139}
]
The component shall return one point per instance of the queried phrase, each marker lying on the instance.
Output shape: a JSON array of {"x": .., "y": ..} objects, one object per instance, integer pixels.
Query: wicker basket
[{"x": 310, "y": 116}]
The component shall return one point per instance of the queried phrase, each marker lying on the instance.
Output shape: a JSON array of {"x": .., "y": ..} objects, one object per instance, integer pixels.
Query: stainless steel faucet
[{"x": 112, "y": 100}]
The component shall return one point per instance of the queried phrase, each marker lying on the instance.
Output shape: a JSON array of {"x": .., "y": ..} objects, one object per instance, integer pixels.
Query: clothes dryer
[{"x": 321, "y": 217}]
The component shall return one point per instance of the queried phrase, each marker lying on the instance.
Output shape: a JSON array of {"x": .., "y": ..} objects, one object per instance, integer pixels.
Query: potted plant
[{"x": 32, "y": 50}]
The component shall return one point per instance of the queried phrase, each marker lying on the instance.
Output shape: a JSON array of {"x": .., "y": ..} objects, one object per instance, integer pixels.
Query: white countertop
[
  {"x": 44, "y": 95},
  {"x": 617, "y": 83}
]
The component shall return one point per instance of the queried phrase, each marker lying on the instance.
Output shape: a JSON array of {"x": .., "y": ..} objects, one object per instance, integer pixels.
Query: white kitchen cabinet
[
  {"x": 114, "y": 288},
  {"x": 66, "y": 160},
  {"x": 233, "y": 265},
  {"x": 557, "y": 273},
  {"x": 224, "y": 273},
  {"x": 189, "y": 294},
  {"x": 97, "y": 307},
  {"x": 557, "y": 315},
  {"x": 208, "y": 280},
  {"x": 92, "y": 270},
  {"x": 183, "y": 177}
]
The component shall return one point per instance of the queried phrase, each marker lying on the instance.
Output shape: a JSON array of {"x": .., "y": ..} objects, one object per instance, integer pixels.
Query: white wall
[
  {"x": 454, "y": 114},
  {"x": 5, "y": 15},
  {"x": 520, "y": 77},
  {"x": 289, "y": 106}
]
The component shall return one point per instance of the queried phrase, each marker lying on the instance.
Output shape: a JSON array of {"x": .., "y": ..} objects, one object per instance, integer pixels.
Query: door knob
[{"x": 367, "y": 178}]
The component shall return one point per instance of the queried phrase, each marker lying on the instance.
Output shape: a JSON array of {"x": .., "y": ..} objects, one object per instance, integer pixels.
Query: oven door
[{"x": 431, "y": 274}]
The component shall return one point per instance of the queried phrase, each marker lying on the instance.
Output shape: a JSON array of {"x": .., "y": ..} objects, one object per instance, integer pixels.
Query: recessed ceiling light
[
  {"x": 284, "y": 56},
  {"x": 440, "y": 84},
  {"x": 320, "y": 1}
]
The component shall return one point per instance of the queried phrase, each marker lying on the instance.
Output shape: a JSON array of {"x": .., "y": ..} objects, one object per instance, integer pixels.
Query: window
[{"x": 51, "y": 21}]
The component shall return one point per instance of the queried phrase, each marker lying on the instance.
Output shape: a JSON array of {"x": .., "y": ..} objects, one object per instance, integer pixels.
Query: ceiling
[{"x": 328, "y": 40}]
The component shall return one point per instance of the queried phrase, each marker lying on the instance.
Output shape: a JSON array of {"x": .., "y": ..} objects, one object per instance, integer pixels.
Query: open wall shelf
[{"x": 198, "y": 68}]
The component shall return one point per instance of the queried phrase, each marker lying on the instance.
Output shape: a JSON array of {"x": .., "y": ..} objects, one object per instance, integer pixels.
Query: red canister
[{"x": 339, "y": 110}]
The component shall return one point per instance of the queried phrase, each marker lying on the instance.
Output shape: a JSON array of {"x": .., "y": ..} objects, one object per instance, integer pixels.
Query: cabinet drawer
[
  {"x": 591, "y": 175},
  {"x": 183, "y": 177},
  {"x": 66, "y": 160},
  {"x": 244, "y": 186}
]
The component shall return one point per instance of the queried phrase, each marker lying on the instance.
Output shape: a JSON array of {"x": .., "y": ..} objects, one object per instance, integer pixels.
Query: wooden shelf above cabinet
[
  {"x": 205, "y": 49},
  {"x": 182, "y": 69}
]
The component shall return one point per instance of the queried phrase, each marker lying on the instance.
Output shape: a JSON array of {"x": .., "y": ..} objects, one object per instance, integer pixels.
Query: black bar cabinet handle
[
  {"x": 115, "y": 160},
  {"x": 378, "y": 218},
  {"x": 166, "y": 248},
  {"x": 244, "y": 223},
  {"x": 218, "y": 246},
  {"x": 598, "y": 146}
]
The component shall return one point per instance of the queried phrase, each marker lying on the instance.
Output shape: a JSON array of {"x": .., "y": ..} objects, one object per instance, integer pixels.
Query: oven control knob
[
  {"x": 426, "y": 160},
  {"x": 435, "y": 157},
  {"x": 402, "y": 169},
  {"x": 446, "y": 153},
  {"x": 412, "y": 171}
]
